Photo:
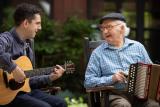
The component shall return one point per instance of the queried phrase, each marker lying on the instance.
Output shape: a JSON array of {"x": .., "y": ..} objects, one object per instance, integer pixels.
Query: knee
[
  {"x": 122, "y": 103},
  {"x": 61, "y": 103},
  {"x": 152, "y": 103},
  {"x": 58, "y": 103},
  {"x": 43, "y": 104}
]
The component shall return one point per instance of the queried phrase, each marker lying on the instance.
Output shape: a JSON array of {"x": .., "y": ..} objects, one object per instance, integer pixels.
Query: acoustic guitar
[{"x": 9, "y": 87}]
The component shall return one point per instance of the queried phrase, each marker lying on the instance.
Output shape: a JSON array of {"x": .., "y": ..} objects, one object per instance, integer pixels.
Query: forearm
[
  {"x": 98, "y": 81},
  {"x": 6, "y": 62},
  {"x": 39, "y": 81}
]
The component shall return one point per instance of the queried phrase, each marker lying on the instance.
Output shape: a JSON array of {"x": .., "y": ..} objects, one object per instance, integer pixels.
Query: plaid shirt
[
  {"x": 12, "y": 47},
  {"x": 106, "y": 60}
]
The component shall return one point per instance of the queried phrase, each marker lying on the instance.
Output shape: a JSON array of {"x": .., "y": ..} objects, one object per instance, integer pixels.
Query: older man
[{"x": 111, "y": 60}]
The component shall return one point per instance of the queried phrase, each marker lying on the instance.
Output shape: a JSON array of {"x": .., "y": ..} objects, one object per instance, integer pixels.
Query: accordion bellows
[{"x": 144, "y": 81}]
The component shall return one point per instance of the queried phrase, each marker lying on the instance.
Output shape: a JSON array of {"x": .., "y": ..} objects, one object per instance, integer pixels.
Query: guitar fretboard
[{"x": 40, "y": 71}]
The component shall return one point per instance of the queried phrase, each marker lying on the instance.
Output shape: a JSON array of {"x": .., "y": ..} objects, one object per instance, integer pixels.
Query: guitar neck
[
  {"x": 68, "y": 66},
  {"x": 40, "y": 71}
]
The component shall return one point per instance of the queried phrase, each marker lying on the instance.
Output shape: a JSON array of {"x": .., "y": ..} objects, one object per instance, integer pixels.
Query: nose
[{"x": 40, "y": 27}]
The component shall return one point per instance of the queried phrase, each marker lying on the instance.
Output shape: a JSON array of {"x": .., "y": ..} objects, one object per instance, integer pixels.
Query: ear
[
  {"x": 25, "y": 23},
  {"x": 122, "y": 29}
]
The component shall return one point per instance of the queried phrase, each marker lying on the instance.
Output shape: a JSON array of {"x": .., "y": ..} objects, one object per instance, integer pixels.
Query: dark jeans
[{"x": 36, "y": 98}]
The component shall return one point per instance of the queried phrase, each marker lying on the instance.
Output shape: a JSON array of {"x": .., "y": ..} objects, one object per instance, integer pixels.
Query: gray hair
[{"x": 126, "y": 28}]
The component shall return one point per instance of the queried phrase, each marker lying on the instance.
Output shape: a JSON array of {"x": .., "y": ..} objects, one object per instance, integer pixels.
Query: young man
[
  {"x": 13, "y": 45},
  {"x": 111, "y": 60}
]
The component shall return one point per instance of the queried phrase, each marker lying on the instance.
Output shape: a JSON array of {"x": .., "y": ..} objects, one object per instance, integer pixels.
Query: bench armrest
[{"x": 100, "y": 88}]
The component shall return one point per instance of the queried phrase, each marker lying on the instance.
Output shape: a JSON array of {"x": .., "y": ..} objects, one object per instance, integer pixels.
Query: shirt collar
[
  {"x": 127, "y": 42},
  {"x": 16, "y": 36}
]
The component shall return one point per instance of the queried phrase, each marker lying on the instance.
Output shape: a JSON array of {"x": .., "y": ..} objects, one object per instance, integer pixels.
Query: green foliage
[
  {"x": 63, "y": 38},
  {"x": 72, "y": 99},
  {"x": 45, "y": 40},
  {"x": 73, "y": 102},
  {"x": 74, "y": 30},
  {"x": 8, "y": 21}
]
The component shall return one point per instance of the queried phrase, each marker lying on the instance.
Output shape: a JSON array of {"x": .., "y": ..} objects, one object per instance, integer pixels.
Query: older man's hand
[{"x": 119, "y": 77}]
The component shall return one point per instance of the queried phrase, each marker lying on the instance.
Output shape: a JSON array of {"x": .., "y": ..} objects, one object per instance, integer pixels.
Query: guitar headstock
[{"x": 69, "y": 67}]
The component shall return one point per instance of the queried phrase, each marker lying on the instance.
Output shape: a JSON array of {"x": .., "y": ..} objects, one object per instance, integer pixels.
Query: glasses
[{"x": 108, "y": 27}]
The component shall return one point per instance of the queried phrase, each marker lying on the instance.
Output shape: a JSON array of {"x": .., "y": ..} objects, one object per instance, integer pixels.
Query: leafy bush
[
  {"x": 7, "y": 22},
  {"x": 72, "y": 99},
  {"x": 73, "y": 102},
  {"x": 64, "y": 38}
]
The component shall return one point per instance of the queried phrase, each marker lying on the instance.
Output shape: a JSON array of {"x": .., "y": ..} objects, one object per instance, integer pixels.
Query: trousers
[
  {"x": 36, "y": 98},
  {"x": 122, "y": 101}
]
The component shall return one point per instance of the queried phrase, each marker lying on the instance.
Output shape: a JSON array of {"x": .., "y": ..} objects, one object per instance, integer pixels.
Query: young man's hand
[
  {"x": 57, "y": 73},
  {"x": 18, "y": 74}
]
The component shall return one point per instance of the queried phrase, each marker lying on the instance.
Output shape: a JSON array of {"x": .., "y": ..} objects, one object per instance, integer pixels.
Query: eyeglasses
[{"x": 108, "y": 27}]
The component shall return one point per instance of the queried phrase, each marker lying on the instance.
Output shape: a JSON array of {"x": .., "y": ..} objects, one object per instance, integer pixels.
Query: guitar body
[{"x": 7, "y": 94}]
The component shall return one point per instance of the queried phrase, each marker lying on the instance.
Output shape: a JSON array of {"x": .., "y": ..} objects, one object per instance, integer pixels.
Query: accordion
[{"x": 144, "y": 81}]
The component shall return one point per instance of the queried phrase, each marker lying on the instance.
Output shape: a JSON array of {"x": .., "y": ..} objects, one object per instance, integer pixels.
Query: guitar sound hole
[{"x": 13, "y": 85}]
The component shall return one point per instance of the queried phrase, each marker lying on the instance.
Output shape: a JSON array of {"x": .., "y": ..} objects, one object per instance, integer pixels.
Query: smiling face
[
  {"x": 112, "y": 32},
  {"x": 32, "y": 27}
]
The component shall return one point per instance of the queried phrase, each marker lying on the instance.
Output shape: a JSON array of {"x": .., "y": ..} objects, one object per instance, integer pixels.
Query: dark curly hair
[{"x": 25, "y": 11}]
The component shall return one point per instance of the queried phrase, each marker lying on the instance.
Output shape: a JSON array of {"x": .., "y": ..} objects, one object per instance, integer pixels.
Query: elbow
[{"x": 88, "y": 84}]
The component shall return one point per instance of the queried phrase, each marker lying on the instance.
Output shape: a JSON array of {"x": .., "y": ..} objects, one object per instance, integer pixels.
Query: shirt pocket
[{"x": 133, "y": 58}]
